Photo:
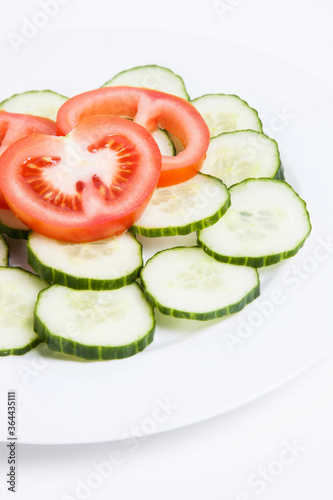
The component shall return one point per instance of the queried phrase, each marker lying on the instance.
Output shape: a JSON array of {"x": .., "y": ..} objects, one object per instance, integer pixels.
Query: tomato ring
[{"x": 151, "y": 109}]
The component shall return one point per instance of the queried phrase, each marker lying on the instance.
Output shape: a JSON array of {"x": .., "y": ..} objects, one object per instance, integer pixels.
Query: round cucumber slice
[
  {"x": 12, "y": 226},
  {"x": 100, "y": 265},
  {"x": 35, "y": 102},
  {"x": 151, "y": 77},
  {"x": 18, "y": 295},
  {"x": 184, "y": 208},
  {"x": 227, "y": 113},
  {"x": 267, "y": 222},
  {"x": 95, "y": 325},
  {"x": 4, "y": 252},
  {"x": 186, "y": 283},
  {"x": 236, "y": 156}
]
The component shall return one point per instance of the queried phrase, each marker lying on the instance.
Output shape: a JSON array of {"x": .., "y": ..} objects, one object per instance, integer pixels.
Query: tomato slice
[
  {"x": 91, "y": 184},
  {"x": 13, "y": 126},
  {"x": 151, "y": 109}
]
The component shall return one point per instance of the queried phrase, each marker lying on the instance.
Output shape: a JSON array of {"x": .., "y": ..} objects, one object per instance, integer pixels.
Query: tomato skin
[
  {"x": 14, "y": 126},
  {"x": 85, "y": 233},
  {"x": 151, "y": 109},
  {"x": 99, "y": 217},
  {"x": 171, "y": 176}
]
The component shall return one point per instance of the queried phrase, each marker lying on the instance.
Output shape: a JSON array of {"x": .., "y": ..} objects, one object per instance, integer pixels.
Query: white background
[{"x": 215, "y": 459}]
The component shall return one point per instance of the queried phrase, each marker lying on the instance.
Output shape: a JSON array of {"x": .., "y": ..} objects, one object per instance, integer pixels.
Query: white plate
[{"x": 190, "y": 364}]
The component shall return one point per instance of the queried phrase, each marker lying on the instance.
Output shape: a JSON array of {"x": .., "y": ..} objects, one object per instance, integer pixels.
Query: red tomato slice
[
  {"x": 13, "y": 126},
  {"x": 91, "y": 184},
  {"x": 151, "y": 109}
]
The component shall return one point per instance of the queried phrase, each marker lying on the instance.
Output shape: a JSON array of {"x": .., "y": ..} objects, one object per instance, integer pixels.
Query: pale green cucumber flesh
[
  {"x": 19, "y": 351},
  {"x": 18, "y": 295},
  {"x": 101, "y": 265},
  {"x": 267, "y": 222},
  {"x": 227, "y": 113},
  {"x": 43, "y": 103},
  {"x": 164, "y": 142},
  {"x": 236, "y": 156},
  {"x": 95, "y": 325},
  {"x": 184, "y": 282},
  {"x": 151, "y": 77},
  {"x": 184, "y": 208}
]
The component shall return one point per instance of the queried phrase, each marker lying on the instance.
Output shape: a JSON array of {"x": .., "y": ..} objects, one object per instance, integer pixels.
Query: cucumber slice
[
  {"x": 151, "y": 77},
  {"x": 186, "y": 283},
  {"x": 164, "y": 142},
  {"x": 35, "y": 102},
  {"x": 4, "y": 252},
  {"x": 235, "y": 156},
  {"x": 227, "y": 113},
  {"x": 95, "y": 325},
  {"x": 267, "y": 222},
  {"x": 12, "y": 226},
  {"x": 184, "y": 208},
  {"x": 100, "y": 265},
  {"x": 18, "y": 295}
]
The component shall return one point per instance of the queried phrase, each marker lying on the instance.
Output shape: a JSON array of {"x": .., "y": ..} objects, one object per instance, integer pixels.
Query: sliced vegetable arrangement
[{"x": 131, "y": 160}]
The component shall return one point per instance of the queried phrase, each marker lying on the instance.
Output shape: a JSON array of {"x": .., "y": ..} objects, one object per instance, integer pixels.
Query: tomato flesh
[
  {"x": 14, "y": 126},
  {"x": 92, "y": 184},
  {"x": 32, "y": 170},
  {"x": 152, "y": 110}
]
